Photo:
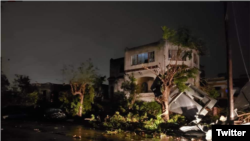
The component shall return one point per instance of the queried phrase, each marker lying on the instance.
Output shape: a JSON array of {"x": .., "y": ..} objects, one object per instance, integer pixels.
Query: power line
[{"x": 240, "y": 43}]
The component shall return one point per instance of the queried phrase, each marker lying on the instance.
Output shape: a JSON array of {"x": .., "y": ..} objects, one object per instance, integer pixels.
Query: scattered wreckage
[{"x": 193, "y": 103}]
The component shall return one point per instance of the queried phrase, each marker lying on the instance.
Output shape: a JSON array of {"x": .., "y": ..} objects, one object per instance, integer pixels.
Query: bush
[
  {"x": 71, "y": 103},
  {"x": 116, "y": 121},
  {"x": 176, "y": 118}
]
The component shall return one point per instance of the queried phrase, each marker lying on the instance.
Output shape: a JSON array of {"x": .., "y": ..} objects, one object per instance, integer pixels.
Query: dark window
[
  {"x": 195, "y": 58},
  {"x": 144, "y": 87},
  {"x": 172, "y": 55},
  {"x": 142, "y": 58},
  {"x": 151, "y": 57},
  {"x": 134, "y": 59}
]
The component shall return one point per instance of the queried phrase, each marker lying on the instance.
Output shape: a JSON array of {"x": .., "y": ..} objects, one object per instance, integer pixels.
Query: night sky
[{"x": 39, "y": 37}]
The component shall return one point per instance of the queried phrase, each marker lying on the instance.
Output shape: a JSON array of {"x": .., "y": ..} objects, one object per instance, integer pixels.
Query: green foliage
[
  {"x": 181, "y": 77},
  {"x": 86, "y": 73},
  {"x": 81, "y": 80},
  {"x": 176, "y": 118},
  {"x": 98, "y": 85},
  {"x": 183, "y": 37},
  {"x": 144, "y": 115},
  {"x": 130, "y": 85},
  {"x": 22, "y": 84},
  {"x": 214, "y": 93},
  {"x": 32, "y": 98},
  {"x": 21, "y": 93},
  {"x": 151, "y": 108},
  {"x": 71, "y": 103},
  {"x": 153, "y": 124},
  {"x": 210, "y": 90},
  {"x": 88, "y": 99},
  {"x": 120, "y": 102},
  {"x": 116, "y": 121},
  {"x": 168, "y": 34},
  {"x": 92, "y": 118}
]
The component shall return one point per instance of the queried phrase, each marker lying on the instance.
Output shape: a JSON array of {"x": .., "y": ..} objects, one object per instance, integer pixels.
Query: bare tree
[{"x": 79, "y": 78}]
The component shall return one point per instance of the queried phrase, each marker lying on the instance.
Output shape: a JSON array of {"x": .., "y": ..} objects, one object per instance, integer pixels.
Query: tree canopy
[{"x": 184, "y": 38}]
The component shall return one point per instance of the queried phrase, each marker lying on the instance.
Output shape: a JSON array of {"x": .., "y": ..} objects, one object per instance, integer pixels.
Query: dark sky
[{"x": 39, "y": 37}]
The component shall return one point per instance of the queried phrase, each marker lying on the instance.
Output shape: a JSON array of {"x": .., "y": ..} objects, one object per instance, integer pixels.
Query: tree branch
[
  {"x": 158, "y": 100},
  {"x": 77, "y": 93}
]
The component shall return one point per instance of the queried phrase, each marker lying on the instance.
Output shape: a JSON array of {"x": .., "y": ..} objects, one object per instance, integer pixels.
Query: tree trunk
[
  {"x": 80, "y": 108},
  {"x": 132, "y": 101},
  {"x": 165, "y": 107}
]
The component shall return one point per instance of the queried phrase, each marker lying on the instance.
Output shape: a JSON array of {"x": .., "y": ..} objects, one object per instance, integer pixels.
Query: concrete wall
[
  {"x": 116, "y": 75},
  {"x": 118, "y": 85},
  {"x": 161, "y": 51},
  {"x": 143, "y": 49},
  {"x": 161, "y": 57}
]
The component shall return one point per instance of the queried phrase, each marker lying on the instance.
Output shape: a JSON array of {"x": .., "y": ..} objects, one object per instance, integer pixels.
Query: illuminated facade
[{"x": 149, "y": 55}]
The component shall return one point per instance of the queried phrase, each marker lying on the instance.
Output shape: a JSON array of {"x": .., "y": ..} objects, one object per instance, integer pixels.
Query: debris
[
  {"x": 195, "y": 133},
  {"x": 37, "y": 130},
  {"x": 77, "y": 137},
  {"x": 223, "y": 119},
  {"x": 242, "y": 100},
  {"x": 54, "y": 113},
  {"x": 112, "y": 132},
  {"x": 2, "y": 129},
  {"x": 246, "y": 123},
  {"x": 209, "y": 135},
  {"x": 55, "y": 127},
  {"x": 189, "y": 128},
  {"x": 187, "y": 102}
]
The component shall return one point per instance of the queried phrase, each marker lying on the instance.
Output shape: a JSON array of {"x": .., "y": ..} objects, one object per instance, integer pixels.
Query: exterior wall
[
  {"x": 161, "y": 57},
  {"x": 161, "y": 51},
  {"x": 118, "y": 85},
  {"x": 116, "y": 76},
  {"x": 147, "y": 48}
]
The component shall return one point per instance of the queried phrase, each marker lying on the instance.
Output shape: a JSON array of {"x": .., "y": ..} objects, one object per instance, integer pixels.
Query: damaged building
[{"x": 150, "y": 56}]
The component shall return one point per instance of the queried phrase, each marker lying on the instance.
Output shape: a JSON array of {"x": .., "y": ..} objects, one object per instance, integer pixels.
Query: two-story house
[{"x": 150, "y": 55}]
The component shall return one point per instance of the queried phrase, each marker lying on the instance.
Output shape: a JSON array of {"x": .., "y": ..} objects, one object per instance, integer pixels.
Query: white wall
[{"x": 159, "y": 59}]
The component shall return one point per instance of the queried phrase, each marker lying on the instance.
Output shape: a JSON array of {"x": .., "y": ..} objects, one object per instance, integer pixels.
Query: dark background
[{"x": 39, "y": 37}]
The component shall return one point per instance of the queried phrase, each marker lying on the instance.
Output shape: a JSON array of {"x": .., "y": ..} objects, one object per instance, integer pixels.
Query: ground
[{"x": 23, "y": 130}]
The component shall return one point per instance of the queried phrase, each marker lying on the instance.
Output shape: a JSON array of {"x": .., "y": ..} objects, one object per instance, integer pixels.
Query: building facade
[
  {"x": 50, "y": 92},
  {"x": 149, "y": 55}
]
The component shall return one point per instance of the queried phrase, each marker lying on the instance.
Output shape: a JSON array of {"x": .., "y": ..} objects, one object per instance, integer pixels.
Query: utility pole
[{"x": 229, "y": 69}]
